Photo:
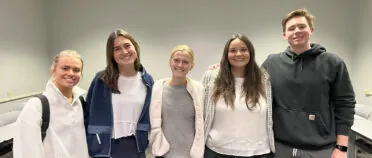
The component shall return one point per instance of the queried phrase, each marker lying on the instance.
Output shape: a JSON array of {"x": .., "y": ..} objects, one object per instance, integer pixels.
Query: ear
[
  {"x": 52, "y": 69},
  {"x": 284, "y": 36},
  {"x": 192, "y": 66},
  {"x": 312, "y": 30}
]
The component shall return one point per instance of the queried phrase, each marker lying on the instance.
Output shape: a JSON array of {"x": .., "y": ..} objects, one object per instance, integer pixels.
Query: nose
[
  {"x": 297, "y": 29},
  {"x": 179, "y": 64},
  {"x": 238, "y": 53},
  {"x": 70, "y": 72}
]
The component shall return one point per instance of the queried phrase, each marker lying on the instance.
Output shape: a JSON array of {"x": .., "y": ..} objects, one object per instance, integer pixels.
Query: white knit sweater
[{"x": 210, "y": 109}]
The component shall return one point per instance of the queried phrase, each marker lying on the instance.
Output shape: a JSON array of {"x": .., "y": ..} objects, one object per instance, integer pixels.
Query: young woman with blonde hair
[
  {"x": 176, "y": 111},
  {"x": 65, "y": 136}
]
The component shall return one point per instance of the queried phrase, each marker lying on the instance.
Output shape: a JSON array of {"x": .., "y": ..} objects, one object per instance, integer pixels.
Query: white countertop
[{"x": 363, "y": 127}]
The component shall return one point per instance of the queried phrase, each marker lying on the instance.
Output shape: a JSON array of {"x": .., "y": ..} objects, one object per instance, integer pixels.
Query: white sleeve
[{"x": 27, "y": 135}]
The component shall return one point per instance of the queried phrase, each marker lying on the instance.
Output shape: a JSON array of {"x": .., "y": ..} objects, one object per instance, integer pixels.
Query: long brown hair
[
  {"x": 252, "y": 86},
  {"x": 111, "y": 73}
]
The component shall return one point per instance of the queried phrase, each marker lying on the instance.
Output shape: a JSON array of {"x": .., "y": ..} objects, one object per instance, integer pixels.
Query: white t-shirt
[{"x": 127, "y": 106}]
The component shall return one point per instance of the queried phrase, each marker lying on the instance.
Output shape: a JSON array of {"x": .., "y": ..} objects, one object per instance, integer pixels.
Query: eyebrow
[{"x": 73, "y": 67}]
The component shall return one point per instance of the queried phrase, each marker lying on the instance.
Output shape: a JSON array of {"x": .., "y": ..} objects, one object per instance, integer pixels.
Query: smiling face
[
  {"x": 67, "y": 72},
  {"x": 124, "y": 52},
  {"x": 181, "y": 63},
  {"x": 238, "y": 54},
  {"x": 298, "y": 32}
]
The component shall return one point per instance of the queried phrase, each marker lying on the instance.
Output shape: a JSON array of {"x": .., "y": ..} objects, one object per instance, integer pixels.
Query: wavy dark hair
[
  {"x": 252, "y": 87},
  {"x": 111, "y": 73}
]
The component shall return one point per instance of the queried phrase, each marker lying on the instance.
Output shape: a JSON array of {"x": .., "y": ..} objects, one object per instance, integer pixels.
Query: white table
[{"x": 361, "y": 128}]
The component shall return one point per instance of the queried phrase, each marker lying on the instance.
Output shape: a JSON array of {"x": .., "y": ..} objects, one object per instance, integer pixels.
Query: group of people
[{"x": 299, "y": 103}]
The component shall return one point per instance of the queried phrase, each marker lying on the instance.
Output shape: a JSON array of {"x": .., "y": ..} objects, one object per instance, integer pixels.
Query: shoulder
[
  {"x": 196, "y": 84},
  {"x": 32, "y": 110},
  {"x": 332, "y": 60},
  {"x": 159, "y": 83},
  {"x": 210, "y": 74},
  {"x": 272, "y": 57},
  {"x": 146, "y": 76},
  {"x": 332, "y": 57},
  {"x": 97, "y": 77},
  {"x": 265, "y": 75}
]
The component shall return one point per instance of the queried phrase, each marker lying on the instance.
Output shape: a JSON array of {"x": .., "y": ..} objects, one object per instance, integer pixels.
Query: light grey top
[{"x": 178, "y": 120}]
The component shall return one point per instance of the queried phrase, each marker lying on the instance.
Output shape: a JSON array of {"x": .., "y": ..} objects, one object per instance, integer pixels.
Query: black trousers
[
  {"x": 125, "y": 147},
  {"x": 208, "y": 153}
]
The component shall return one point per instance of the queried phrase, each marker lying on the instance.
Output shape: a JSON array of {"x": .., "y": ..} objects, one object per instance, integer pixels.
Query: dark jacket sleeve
[
  {"x": 343, "y": 99},
  {"x": 86, "y": 107}
]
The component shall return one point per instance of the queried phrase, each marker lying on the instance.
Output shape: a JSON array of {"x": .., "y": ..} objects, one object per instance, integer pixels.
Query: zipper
[
  {"x": 98, "y": 139},
  {"x": 294, "y": 152}
]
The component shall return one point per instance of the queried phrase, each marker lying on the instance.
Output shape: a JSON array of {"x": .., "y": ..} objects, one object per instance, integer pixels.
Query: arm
[
  {"x": 86, "y": 107},
  {"x": 158, "y": 142},
  {"x": 27, "y": 136},
  {"x": 343, "y": 99}
]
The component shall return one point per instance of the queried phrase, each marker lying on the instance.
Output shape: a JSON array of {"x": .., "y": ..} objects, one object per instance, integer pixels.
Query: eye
[
  {"x": 244, "y": 50},
  {"x": 65, "y": 68},
  {"x": 116, "y": 48},
  {"x": 185, "y": 62},
  {"x": 76, "y": 70},
  {"x": 291, "y": 28},
  {"x": 232, "y": 50}
]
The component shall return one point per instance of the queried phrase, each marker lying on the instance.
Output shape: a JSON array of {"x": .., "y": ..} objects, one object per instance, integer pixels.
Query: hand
[
  {"x": 338, "y": 154},
  {"x": 214, "y": 66}
]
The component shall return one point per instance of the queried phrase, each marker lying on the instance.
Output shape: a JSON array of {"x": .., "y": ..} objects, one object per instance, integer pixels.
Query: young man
[{"x": 313, "y": 98}]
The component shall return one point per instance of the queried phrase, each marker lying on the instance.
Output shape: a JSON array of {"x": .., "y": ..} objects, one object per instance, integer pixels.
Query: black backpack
[{"x": 6, "y": 146}]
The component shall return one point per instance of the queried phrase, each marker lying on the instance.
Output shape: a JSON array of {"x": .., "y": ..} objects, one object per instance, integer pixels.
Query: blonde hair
[
  {"x": 298, "y": 13},
  {"x": 183, "y": 48},
  {"x": 69, "y": 53}
]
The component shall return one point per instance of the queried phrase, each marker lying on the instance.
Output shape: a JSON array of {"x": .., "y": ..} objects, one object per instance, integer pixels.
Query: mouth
[
  {"x": 126, "y": 57},
  {"x": 179, "y": 70},
  {"x": 298, "y": 38},
  {"x": 239, "y": 59},
  {"x": 70, "y": 80}
]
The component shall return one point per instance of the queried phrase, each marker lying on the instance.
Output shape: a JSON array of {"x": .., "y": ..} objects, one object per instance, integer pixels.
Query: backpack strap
[
  {"x": 82, "y": 101},
  {"x": 45, "y": 115}
]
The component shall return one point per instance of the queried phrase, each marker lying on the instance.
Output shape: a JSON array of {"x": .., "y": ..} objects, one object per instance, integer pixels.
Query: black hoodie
[{"x": 313, "y": 99}]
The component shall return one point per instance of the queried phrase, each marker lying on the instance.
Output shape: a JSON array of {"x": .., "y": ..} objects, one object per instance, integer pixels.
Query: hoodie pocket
[
  {"x": 98, "y": 141},
  {"x": 299, "y": 127}
]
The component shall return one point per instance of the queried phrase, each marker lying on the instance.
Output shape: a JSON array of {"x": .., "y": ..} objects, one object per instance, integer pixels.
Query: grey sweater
[{"x": 178, "y": 120}]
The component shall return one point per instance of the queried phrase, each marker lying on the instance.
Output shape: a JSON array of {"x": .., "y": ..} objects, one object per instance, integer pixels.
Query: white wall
[
  {"x": 362, "y": 74},
  {"x": 204, "y": 25},
  {"x": 24, "y": 58}
]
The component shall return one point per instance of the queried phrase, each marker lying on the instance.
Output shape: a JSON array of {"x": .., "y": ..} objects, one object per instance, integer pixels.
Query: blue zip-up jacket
[{"x": 98, "y": 117}]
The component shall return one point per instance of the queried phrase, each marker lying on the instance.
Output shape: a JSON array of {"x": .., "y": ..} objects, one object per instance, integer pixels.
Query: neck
[
  {"x": 237, "y": 72},
  {"x": 299, "y": 50},
  {"x": 127, "y": 70},
  {"x": 67, "y": 92},
  {"x": 178, "y": 81}
]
